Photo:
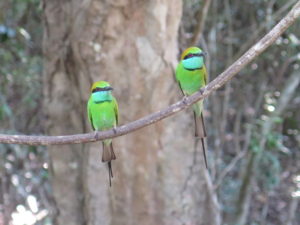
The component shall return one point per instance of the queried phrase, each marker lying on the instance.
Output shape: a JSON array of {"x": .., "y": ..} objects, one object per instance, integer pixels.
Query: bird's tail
[
  {"x": 200, "y": 132},
  {"x": 108, "y": 155},
  {"x": 108, "y": 152}
]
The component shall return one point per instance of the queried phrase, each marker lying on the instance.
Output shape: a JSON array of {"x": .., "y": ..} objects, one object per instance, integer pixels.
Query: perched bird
[
  {"x": 102, "y": 109},
  {"x": 191, "y": 76}
]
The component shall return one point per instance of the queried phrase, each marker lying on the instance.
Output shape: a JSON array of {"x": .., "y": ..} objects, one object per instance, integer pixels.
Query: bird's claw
[
  {"x": 201, "y": 91},
  {"x": 115, "y": 130},
  {"x": 185, "y": 99},
  {"x": 96, "y": 135}
]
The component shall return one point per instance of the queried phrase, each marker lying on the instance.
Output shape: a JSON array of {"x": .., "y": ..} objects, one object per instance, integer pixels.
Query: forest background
[{"x": 51, "y": 52}]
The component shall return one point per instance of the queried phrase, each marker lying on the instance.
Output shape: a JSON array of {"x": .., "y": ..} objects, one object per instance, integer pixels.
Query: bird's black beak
[
  {"x": 203, "y": 54},
  {"x": 109, "y": 88}
]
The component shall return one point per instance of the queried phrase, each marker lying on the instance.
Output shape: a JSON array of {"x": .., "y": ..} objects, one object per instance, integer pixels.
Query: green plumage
[
  {"x": 103, "y": 115},
  {"x": 191, "y": 76},
  {"x": 102, "y": 109},
  {"x": 190, "y": 82}
]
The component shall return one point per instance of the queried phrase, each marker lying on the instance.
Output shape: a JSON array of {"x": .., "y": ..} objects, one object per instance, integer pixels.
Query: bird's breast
[{"x": 103, "y": 115}]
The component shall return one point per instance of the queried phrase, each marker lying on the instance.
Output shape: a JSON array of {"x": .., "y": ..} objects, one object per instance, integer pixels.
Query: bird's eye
[
  {"x": 95, "y": 90},
  {"x": 102, "y": 89}
]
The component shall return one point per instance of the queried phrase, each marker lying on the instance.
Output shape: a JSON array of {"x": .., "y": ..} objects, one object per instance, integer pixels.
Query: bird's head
[
  {"x": 101, "y": 91},
  {"x": 192, "y": 58}
]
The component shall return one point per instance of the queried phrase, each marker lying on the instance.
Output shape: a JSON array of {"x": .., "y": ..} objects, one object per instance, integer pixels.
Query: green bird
[
  {"x": 102, "y": 109},
  {"x": 192, "y": 76}
]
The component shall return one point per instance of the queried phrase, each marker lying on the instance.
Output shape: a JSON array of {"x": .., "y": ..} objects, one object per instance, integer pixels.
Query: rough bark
[{"x": 159, "y": 177}]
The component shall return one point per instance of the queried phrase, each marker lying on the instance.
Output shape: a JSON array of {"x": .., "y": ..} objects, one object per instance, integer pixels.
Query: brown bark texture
[{"x": 159, "y": 175}]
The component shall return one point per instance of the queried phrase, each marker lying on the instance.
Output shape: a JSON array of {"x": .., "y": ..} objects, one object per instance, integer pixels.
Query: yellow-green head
[
  {"x": 192, "y": 58},
  {"x": 101, "y": 91}
]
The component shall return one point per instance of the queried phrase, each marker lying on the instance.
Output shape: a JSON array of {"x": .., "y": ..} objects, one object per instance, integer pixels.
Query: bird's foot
[
  {"x": 201, "y": 91},
  {"x": 96, "y": 135},
  {"x": 184, "y": 100},
  {"x": 115, "y": 130}
]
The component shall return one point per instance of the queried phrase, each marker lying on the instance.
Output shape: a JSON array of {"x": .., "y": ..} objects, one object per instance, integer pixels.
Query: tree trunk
[{"x": 159, "y": 176}]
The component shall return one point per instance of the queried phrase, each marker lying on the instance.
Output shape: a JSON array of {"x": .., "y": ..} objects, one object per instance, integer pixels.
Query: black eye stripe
[
  {"x": 102, "y": 89},
  {"x": 192, "y": 55}
]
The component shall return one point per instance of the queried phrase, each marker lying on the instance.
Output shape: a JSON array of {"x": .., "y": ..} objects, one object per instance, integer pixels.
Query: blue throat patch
[
  {"x": 193, "y": 63},
  {"x": 101, "y": 96}
]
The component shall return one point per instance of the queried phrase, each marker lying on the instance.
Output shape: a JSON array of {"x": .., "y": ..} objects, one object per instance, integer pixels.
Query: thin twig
[
  {"x": 201, "y": 21},
  {"x": 263, "y": 26},
  {"x": 218, "y": 82},
  {"x": 229, "y": 168}
]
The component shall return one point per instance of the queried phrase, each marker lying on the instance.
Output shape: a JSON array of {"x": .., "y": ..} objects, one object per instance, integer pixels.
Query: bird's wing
[
  {"x": 116, "y": 108},
  {"x": 90, "y": 114},
  {"x": 180, "y": 87},
  {"x": 176, "y": 76},
  {"x": 205, "y": 75}
]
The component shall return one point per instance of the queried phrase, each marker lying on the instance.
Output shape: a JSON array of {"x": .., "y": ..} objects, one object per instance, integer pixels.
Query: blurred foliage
[
  {"x": 25, "y": 189},
  {"x": 21, "y": 69}
]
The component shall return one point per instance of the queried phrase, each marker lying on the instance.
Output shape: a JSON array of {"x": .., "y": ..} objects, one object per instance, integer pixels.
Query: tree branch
[{"x": 218, "y": 82}]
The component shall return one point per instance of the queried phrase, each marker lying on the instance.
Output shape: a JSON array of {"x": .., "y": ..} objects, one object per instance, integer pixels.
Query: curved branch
[{"x": 218, "y": 82}]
